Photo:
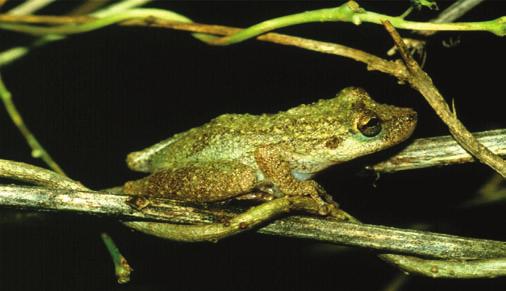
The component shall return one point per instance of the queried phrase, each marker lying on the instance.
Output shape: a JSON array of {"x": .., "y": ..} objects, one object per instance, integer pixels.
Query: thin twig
[
  {"x": 423, "y": 83},
  {"x": 453, "y": 12},
  {"x": 44, "y": 19},
  {"x": 396, "y": 283},
  {"x": 456, "y": 10},
  {"x": 493, "y": 191},
  {"x": 352, "y": 12},
  {"x": 88, "y": 7},
  {"x": 38, "y": 150},
  {"x": 121, "y": 267},
  {"x": 373, "y": 62},
  {"x": 15, "y": 53},
  {"x": 29, "y": 7},
  {"x": 347, "y": 12},
  {"x": 471, "y": 269},
  {"x": 38, "y": 176}
]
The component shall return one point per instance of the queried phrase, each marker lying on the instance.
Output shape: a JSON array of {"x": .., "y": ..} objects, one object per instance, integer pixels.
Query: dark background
[{"x": 95, "y": 97}]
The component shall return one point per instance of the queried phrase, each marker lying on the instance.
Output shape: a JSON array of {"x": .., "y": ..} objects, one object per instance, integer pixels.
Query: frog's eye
[{"x": 369, "y": 125}]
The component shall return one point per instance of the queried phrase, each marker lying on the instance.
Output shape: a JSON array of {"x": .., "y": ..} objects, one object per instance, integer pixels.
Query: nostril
[{"x": 412, "y": 116}]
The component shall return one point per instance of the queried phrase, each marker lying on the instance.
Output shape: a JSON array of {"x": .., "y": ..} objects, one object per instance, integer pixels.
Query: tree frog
[{"x": 237, "y": 155}]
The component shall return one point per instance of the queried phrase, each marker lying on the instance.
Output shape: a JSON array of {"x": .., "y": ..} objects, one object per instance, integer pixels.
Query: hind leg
[{"x": 197, "y": 182}]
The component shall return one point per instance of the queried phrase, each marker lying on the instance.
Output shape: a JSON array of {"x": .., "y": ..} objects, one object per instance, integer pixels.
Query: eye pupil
[{"x": 370, "y": 127}]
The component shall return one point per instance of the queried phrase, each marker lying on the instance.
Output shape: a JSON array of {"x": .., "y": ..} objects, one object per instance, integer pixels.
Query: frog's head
[{"x": 366, "y": 126}]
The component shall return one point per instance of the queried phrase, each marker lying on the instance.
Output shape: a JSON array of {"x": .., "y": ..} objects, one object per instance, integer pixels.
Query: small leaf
[{"x": 431, "y": 4}]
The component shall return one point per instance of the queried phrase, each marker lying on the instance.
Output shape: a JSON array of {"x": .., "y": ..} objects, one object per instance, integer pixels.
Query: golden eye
[{"x": 369, "y": 125}]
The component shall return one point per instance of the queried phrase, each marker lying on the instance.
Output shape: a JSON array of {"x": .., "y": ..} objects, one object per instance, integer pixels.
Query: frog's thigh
[{"x": 202, "y": 182}]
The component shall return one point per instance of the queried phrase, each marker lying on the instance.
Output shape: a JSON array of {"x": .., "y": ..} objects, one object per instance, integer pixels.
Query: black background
[{"x": 95, "y": 97}]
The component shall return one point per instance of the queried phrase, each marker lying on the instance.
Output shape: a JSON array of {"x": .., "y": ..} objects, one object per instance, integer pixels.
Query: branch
[
  {"x": 228, "y": 221},
  {"x": 421, "y": 81},
  {"x": 440, "y": 151},
  {"x": 412, "y": 242}
]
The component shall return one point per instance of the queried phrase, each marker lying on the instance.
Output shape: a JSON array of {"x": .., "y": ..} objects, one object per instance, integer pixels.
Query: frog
[{"x": 269, "y": 156}]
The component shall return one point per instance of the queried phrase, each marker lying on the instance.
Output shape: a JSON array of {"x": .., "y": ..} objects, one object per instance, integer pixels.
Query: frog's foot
[
  {"x": 324, "y": 195},
  {"x": 323, "y": 203},
  {"x": 326, "y": 206}
]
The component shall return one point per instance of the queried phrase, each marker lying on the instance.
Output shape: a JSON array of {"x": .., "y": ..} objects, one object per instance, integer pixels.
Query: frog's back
[{"x": 223, "y": 138}]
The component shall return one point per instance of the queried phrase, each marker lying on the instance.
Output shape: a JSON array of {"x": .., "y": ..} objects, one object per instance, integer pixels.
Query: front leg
[{"x": 270, "y": 161}]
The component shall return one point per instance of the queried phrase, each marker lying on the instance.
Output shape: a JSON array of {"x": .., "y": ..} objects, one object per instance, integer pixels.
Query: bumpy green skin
[{"x": 274, "y": 153}]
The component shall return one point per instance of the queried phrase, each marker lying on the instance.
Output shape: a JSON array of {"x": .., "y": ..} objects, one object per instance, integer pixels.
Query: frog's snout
[
  {"x": 412, "y": 116},
  {"x": 409, "y": 119}
]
